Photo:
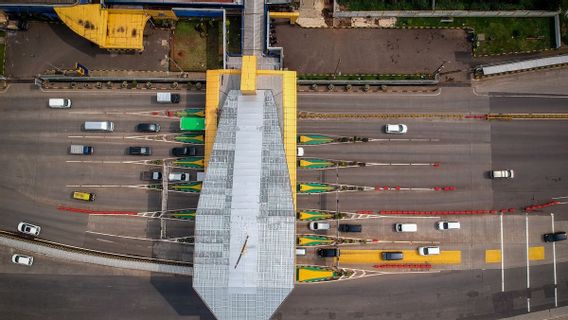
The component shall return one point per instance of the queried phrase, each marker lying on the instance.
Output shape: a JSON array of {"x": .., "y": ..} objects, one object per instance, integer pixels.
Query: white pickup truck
[{"x": 80, "y": 149}]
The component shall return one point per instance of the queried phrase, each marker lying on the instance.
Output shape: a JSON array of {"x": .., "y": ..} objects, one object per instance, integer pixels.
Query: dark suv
[
  {"x": 148, "y": 127},
  {"x": 553, "y": 237},
  {"x": 328, "y": 253},
  {"x": 139, "y": 151},
  {"x": 392, "y": 255},
  {"x": 350, "y": 228},
  {"x": 184, "y": 151}
]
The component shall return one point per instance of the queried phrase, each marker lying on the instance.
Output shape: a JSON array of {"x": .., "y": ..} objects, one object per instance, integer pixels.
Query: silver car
[{"x": 29, "y": 228}]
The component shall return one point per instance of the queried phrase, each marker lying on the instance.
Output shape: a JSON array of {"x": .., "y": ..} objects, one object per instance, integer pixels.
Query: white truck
[
  {"x": 167, "y": 97},
  {"x": 80, "y": 149}
]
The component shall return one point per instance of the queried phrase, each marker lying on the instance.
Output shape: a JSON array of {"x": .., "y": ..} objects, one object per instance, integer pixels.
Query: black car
[
  {"x": 184, "y": 151},
  {"x": 328, "y": 253},
  {"x": 139, "y": 151},
  {"x": 350, "y": 228},
  {"x": 392, "y": 255},
  {"x": 148, "y": 127},
  {"x": 553, "y": 237}
]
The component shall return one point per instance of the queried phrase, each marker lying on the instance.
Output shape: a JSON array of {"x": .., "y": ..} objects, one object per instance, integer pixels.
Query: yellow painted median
[
  {"x": 410, "y": 256},
  {"x": 536, "y": 253},
  {"x": 494, "y": 255}
]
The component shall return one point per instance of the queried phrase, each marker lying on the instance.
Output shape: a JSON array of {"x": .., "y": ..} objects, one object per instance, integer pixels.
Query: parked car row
[
  {"x": 344, "y": 227},
  {"x": 398, "y": 227},
  {"x": 161, "y": 97},
  {"x": 385, "y": 255}
]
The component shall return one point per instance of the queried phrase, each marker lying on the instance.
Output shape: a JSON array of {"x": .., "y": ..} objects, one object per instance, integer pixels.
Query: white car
[
  {"x": 448, "y": 225},
  {"x": 428, "y": 251},
  {"x": 300, "y": 152},
  {"x": 22, "y": 259},
  {"x": 300, "y": 251},
  {"x": 178, "y": 176},
  {"x": 59, "y": 103},
  {"x": 502, "y": 174},
  {"x": 29, "y": 228},
  {"x": 405, "y": 227},
  {"x": 396, "y": 128},
  {"x": 319, "y": 226}
]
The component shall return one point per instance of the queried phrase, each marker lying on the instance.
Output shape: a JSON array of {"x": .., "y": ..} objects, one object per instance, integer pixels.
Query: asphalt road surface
[
  {"x": 33, "y": 141},
  {"x": 37, "y": 176}
]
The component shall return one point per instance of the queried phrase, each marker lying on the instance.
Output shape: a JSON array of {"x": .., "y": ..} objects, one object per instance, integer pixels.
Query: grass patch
[
  {"x": 197, "y": 45},
  {"x": 487, "y": 5},
  {"x": 502, "y": 35},
  {"x": 418, "y": 76},
  {"x": 214, "y": 45},
  {"x": 234, "y": 34}
]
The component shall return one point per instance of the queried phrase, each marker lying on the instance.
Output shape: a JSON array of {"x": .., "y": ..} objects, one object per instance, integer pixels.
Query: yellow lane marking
[
  {"x": 492, "y": 256},
  {"x": 410, "y": 256},
  {"x": 536, "y": 253}
]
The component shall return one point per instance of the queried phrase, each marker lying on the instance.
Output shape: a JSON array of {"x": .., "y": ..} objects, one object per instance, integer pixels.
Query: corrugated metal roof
[
  {"x": 244, "y": 231},
  {"x": 524, "y": 65}
]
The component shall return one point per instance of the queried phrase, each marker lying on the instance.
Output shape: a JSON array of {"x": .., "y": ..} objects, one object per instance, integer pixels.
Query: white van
[
  {"x": 405, "y": 227},
  {"x": 99, "y": 126},
  {"x": 428, "y": 251},
  {"x": 59, "y": 103}
]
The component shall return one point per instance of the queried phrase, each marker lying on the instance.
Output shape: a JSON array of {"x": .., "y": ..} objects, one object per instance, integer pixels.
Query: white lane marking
[
  {"x": 502, "y": 255},
  {"x": 559, "y": 198},
  {"x": 554, "y": 264},
  {"x": 528, "y": 265},
  {"x": 104, "y": 240},
  {"x": 127, "y": 237}
]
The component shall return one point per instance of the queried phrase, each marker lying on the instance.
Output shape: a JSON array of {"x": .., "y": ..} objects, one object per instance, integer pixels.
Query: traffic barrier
[
  {"x": 403, "y": 266},
  {"x": 541, "y": 206},
  {"x": 87, "y": 211},
  {"x": 447, "y": 212}
]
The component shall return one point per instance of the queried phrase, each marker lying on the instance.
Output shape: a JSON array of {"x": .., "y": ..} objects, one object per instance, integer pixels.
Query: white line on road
[
  {"x": 104, "y": 186},
  {"x": 528, "y": 265},
  {"x": 106, "y": 162},
  {"x": 104, "y": 240},
  {"x": 554, "y": 264},
  {"x": 559, "y": 198},
  {"x": 127, "y": 237},
  {"x": 502, "y": 255}
]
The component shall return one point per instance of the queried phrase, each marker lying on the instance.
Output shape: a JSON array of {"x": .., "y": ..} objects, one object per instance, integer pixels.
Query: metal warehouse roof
[{"x": 244, "y": 228}]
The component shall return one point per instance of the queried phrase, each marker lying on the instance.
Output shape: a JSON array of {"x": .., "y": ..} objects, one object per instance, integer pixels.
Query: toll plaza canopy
[{"x": 244, "y": 228}]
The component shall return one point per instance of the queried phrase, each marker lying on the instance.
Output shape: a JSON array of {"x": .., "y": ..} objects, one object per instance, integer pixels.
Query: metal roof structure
[
  {"x": 244, "y": 228},
  {"x": 524, "y": 65}
]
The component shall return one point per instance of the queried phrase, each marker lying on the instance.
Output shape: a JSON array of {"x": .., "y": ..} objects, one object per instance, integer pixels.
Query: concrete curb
[{"x": 60, "y": 251}]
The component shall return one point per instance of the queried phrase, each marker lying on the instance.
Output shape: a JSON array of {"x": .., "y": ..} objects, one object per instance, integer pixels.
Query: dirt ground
[
  {"x": 46, "y": 45},
  {"x": 353, "y": 51}
]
